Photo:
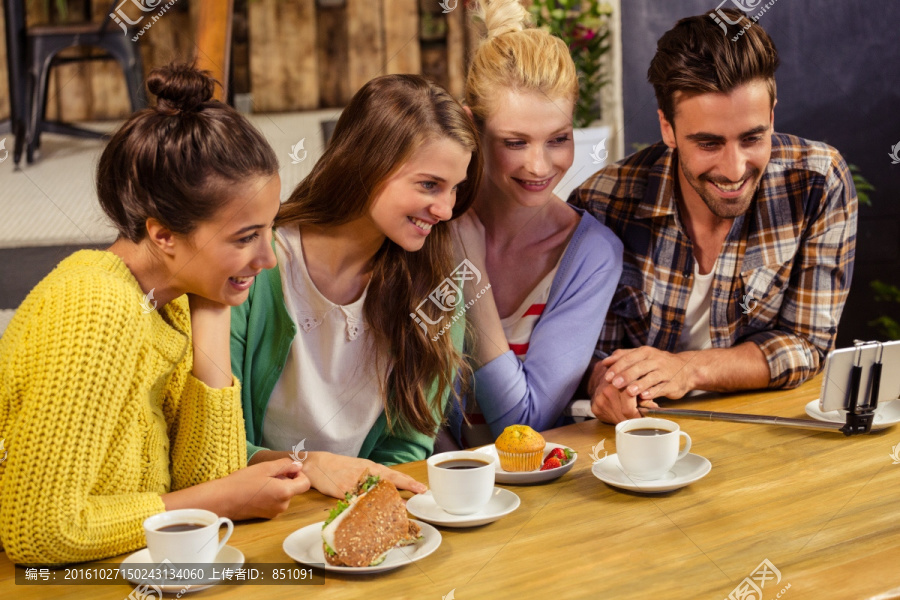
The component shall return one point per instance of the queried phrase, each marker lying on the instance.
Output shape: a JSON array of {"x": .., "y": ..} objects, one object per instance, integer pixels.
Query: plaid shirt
[{"x": 783, "y": 273}]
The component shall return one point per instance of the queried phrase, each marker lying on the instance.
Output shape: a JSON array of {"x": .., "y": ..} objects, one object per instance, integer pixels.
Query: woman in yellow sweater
[{"x": 116, "y": 394}]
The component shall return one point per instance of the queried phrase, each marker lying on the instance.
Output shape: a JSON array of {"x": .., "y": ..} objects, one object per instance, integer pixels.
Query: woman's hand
[
  {"x": 263, "y": 490},
  {"x": 211, "y": 336},
  {"x": 333, "y": 474}
]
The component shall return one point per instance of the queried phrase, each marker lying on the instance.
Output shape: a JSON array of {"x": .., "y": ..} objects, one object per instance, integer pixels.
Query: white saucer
[
  {"x": 228, "y": 557},
  {"x": 886, "y": 414},
  {"x": 424, "y": 507},
  {"x": 686, "y": 471},
  {"x": 305, "y": 546},
  {"x": 536, "y": 476}
]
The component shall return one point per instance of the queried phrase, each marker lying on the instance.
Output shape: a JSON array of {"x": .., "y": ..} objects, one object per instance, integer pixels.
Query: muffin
[{"x": 520, "y": 448}]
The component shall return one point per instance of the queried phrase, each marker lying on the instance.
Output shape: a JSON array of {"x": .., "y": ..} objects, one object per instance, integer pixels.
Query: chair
[
  {"x": 14, "y": 16},
  {"x": 45, "y": 42}
]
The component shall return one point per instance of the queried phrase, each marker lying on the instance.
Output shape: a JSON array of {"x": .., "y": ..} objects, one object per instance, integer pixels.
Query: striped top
[{"x": 517, "y": 327}]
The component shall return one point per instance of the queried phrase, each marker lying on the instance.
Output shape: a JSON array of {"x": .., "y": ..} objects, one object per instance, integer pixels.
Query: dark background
[{"x": 839, "y": 83}]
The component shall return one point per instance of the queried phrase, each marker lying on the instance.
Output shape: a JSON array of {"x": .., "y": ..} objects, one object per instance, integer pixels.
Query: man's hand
[
  {"x": 610, "y": 404},
  {"x": 649, "y": 373}
]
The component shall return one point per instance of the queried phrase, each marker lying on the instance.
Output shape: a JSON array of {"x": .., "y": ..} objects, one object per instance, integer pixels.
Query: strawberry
[
  {"x": 551, "y": 463},
  {"x": 563, "y": 454},
  {"x": 558, "y": 453}
]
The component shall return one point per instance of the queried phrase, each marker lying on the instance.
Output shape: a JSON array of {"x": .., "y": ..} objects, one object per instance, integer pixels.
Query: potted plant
[{"x": 584, "y": 26}]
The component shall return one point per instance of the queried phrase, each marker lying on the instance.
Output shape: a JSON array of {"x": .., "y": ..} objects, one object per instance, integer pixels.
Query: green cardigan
[{"x": 261, "y": 336}]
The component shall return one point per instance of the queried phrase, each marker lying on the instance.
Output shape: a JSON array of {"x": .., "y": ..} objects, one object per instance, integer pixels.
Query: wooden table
[{"x": 820, "y": 507}]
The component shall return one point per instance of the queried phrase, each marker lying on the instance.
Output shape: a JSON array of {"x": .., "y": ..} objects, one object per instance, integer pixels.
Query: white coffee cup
[
  {"x": 196, "y": 545},
  {"x": 649, "y": 456},
  {"x": 461, "y": 491}
]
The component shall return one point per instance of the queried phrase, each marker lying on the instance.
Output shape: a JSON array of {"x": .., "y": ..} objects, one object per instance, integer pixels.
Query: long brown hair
[
  {"x": 695, "y": 57},
  {"x": 382, "y": 127},
  {"x": 176, "y": 161}
]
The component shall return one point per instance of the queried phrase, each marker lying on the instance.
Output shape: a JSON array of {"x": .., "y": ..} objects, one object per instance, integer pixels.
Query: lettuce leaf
[
  {"x": 341, "y": 507},
  {"x": 370, "y": 482}
]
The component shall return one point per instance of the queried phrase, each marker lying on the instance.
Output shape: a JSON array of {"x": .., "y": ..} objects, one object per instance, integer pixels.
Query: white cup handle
[
  {"x": 227, "y": 521},
  {"x": 687, "y": 445}
]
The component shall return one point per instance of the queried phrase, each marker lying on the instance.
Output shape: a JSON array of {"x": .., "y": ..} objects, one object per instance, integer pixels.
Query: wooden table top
[{"x": 820, "y": 507}]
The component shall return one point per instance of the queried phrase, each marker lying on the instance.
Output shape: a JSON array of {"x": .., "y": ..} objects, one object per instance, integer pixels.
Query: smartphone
[{"x": 838, "y": 369}]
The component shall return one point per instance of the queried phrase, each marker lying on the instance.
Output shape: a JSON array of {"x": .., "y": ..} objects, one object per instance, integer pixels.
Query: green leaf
[
  {"x": 337, "y": 510},
  {"x": 885, "y": 292},
  {"x": 862, "y": 186}
]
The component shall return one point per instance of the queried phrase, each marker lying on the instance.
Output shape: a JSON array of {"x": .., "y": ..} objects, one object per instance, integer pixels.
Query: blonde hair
[{"x": 517, "y": 56}]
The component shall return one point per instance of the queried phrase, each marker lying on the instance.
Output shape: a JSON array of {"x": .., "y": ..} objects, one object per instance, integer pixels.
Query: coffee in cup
[
  {"x": 647, "y": 448},
  {"x": 461, "y": 482},
  {"x": 187, "y": 535}
]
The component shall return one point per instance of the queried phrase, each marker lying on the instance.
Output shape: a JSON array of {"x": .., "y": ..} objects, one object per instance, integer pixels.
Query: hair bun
[
  {"x": 503, "y": 16},
  {"x": 180, "y": 87}
]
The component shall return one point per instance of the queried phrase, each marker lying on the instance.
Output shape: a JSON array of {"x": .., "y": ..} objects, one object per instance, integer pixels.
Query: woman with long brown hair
[{"x": 338, "y": 366}]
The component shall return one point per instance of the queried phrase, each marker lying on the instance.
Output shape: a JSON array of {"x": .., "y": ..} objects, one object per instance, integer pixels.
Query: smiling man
[{"x": 739, "y": 241}]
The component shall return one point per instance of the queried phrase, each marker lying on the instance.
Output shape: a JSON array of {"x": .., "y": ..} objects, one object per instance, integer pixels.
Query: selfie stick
[
  {"x": 860, "y": 417},
  {"x": 742, "y": 418}
]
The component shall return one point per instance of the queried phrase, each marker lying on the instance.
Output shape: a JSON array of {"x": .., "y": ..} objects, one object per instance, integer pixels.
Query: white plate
[
  {"x": 686, "y": 471},
  {"x": 536, "y": 476},
  {"x": 886, "y": 415},
  {"x": 228, "y": 557},
  {"x": 305, "y": 546},
  {"x": 501, "y": 504}
]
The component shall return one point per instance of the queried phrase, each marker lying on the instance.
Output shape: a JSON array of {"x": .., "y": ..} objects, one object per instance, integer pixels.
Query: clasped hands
[{"x": 627, "y": 378}]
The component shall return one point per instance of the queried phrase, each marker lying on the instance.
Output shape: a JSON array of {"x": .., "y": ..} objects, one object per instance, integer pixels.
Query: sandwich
[{"x": 366, "y": 524}]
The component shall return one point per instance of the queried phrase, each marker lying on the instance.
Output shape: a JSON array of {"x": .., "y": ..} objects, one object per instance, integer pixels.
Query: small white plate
[
  {"x": 886, "y": 414},
  {"x": 686, "y": 471},
  {"x": 501, "y": 504},
  {"x": 228, "y": 557},
  {"x": 536, "y": 476},
  {"x": 305, "y": 546}
]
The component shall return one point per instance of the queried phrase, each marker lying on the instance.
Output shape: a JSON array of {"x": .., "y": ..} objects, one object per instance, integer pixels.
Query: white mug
[
  {"x": 461, "y": 491},
  {"x": 197, "y": 545},
  {"x": 649, "y": 457}
]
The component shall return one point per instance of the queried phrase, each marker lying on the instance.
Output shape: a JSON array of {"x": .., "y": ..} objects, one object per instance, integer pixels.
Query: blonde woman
[
  {"x": 552, "y": 268},
  {"x": 325, "y": 346}
]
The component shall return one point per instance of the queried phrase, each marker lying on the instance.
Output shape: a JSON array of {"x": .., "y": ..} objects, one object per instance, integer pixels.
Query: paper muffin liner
[{"x": 520, "y": 461}]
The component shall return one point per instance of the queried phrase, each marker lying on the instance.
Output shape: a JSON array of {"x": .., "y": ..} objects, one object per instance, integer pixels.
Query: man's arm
[
  {"x": 807, "y": 322},
  {"x": 649, "y": 373}
]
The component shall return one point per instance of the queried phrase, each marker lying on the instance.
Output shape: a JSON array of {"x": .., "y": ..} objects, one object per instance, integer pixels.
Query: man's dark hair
[{"x": 696, "y": 57}]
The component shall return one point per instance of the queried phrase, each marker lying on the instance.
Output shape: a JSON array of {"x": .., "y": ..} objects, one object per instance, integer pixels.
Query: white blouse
[{"x": 328, "y": 394}]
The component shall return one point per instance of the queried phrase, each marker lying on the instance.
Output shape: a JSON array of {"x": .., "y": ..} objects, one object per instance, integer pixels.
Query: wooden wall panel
[
  {"x": 332, "y": 52},
  {"x": 365, "y": 40},
  {"x": 283, "y": 62},
  {"x": 267, "y": 75},
  {"x": 301, "y": 56},
  {"x": 301, "y": 64},
  {"x": 456, "y": 52},
  {"x": 401, "y": 36}
]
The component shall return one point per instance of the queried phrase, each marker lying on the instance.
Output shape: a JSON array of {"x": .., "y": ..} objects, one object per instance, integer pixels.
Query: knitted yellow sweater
[{"x": 100, "y": 415}]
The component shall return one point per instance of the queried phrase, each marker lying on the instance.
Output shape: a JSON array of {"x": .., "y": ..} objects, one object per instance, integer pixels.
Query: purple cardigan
[{"x": 534, "y": 391}]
